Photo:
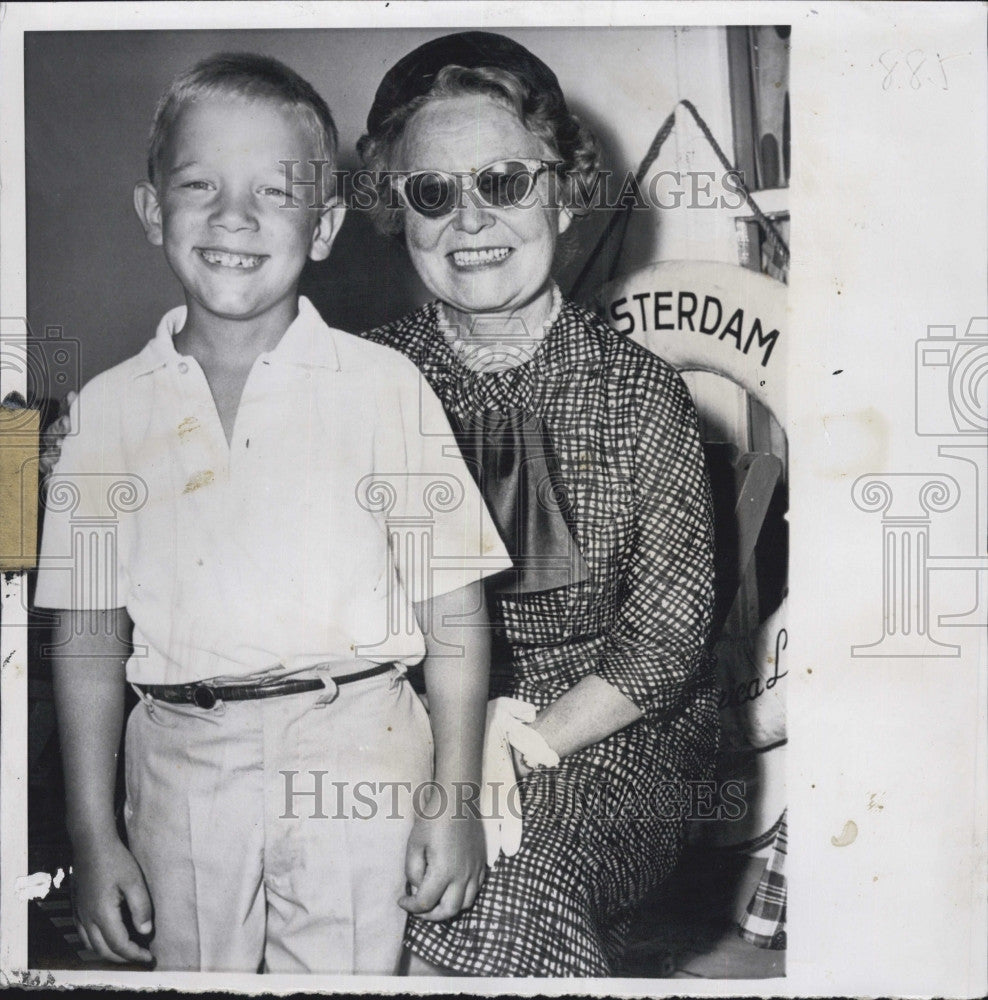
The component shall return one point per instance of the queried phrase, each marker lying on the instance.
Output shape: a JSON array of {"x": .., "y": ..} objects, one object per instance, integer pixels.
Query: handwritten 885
[{"x": 913, "y": 69}]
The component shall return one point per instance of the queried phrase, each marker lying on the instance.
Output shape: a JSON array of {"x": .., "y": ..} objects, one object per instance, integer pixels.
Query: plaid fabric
[
  {"x": 633, "y": 487},
  {"x": 764, "y": 923}
]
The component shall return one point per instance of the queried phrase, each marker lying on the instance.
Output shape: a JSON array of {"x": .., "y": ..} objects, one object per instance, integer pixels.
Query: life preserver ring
[{"x": 708, "y": 316}]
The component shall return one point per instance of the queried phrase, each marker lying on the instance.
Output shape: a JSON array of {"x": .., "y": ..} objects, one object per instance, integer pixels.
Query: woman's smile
[{"x": 472, "y": 260}]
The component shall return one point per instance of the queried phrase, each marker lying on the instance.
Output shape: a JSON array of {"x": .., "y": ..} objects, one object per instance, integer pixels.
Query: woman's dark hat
[{"x": 413, "y": 75}]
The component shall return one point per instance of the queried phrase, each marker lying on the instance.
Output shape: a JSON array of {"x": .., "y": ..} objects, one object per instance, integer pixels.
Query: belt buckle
[{"x": 203, "y": 696}]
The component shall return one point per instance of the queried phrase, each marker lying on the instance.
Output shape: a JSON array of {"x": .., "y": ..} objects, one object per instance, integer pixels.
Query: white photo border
[{"x": 894, "y": 746}]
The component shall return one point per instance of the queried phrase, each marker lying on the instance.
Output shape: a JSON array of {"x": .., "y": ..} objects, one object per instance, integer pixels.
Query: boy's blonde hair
[{"x": 249, "y": 76}]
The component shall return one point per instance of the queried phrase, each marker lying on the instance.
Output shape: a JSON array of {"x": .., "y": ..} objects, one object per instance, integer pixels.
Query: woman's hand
[
  {"x": 444, "y": 860},
  {"x": 52, "y": 438},
  {"x": 590, "y": 711},
  {"x": 522, "y": 770}
]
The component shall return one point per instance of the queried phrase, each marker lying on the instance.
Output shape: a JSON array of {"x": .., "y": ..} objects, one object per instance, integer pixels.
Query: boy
[{"x": 252, "y": 569}]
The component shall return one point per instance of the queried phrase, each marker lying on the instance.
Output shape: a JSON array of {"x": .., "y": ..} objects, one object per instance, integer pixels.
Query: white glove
[{"x": 500, "y": 808}]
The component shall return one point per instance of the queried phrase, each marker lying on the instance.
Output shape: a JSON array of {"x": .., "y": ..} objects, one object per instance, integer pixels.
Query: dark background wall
[{"x": 90, "y": 97}]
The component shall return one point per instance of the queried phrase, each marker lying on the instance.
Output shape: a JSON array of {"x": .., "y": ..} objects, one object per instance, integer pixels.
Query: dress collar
[{"x": 573, "y": 346}]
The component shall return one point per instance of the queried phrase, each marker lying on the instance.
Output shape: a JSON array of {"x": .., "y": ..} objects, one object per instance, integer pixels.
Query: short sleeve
[
  {"x": 441, "y": 534},
  {"x": 86, "y": 496}
]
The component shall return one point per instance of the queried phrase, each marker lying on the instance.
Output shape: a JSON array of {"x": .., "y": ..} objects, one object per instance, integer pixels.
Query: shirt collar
[{"x": 307, "y": 343}]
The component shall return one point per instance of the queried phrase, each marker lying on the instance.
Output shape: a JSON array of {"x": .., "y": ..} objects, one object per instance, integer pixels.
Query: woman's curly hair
[{"x": 565, "y": 135}]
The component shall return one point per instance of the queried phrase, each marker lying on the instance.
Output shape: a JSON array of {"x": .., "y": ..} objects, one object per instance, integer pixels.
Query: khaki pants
[{"x": 248, "y": 868}]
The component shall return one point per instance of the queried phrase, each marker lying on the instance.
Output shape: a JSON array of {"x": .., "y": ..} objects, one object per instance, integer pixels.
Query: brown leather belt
[{"x": 204, "y": 695}]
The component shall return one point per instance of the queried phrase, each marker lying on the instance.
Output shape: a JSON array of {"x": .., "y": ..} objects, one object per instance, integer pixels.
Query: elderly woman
[{"x": 587, "y": 450}]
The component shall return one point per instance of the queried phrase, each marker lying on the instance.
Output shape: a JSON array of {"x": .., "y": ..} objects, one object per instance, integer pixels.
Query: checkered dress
[{"x": 604, "y": 827}]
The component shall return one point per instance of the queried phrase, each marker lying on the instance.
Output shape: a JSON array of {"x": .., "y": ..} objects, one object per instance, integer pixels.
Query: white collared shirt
[{"x": 340, "y": 499}]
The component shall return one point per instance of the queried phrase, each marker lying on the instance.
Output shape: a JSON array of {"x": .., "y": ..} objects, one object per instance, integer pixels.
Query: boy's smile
[
  {"x": 232, "y": 232},
  {"x": 238, "y": 261}
]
